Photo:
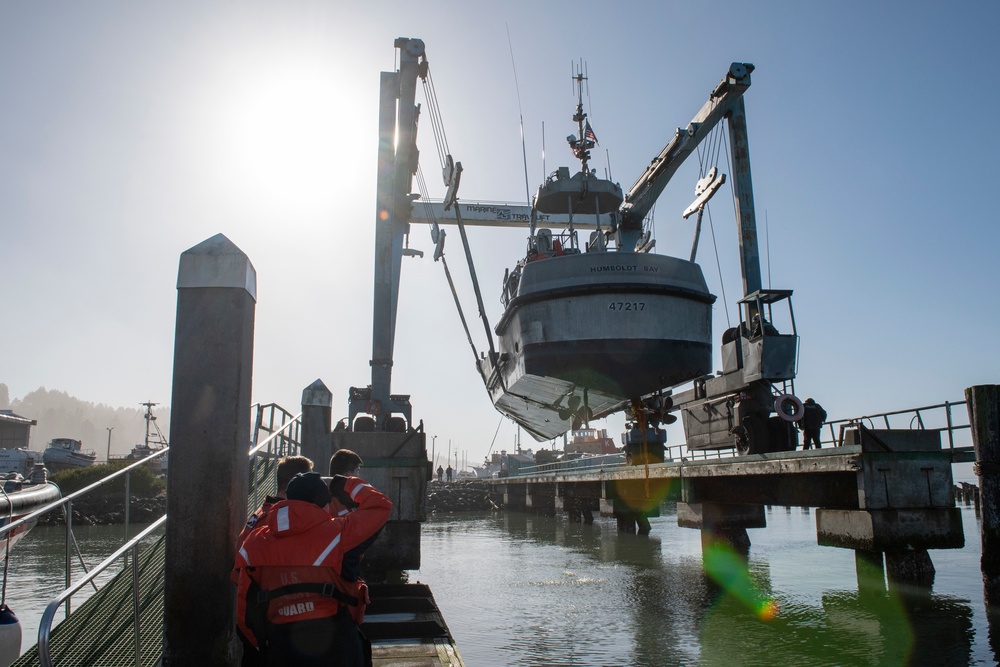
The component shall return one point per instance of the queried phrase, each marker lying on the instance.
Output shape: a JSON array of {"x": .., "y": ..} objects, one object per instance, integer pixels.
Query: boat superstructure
[
  {"x": 67, "y": 453},
  {"x": 153, "y": 442}
]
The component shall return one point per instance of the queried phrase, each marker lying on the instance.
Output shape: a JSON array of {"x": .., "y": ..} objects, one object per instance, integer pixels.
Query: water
[
  {"x": 533, "y": 591},
  {"x": 36, "y": 574},
  {"x": 538, "y": 591}
]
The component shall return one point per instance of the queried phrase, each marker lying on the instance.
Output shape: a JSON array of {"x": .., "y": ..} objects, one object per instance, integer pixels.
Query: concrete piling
[
  {"x": 317, "y": 422},
  {"x": 983, "y": 403},
  {"x": 209, "y": 442}
]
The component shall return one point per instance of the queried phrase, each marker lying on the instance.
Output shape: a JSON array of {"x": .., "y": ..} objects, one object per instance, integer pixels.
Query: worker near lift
[
  {"x": 288, "y": 467},
  {"x": 300, "y": 607},
  {"x": 813, "y": 418},
  {"x": 346, "y": 463}
]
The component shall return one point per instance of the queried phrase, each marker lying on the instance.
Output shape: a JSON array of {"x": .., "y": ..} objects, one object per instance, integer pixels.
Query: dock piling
[
  {"x": 209, "y": 442},
  {"x": 317, "y": 424},
  {"x": 983, "y": 403}
]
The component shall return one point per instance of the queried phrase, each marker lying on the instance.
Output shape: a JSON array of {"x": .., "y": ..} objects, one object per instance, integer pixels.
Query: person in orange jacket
[
  {"x": 299, "y": 604},
  {"x": 288, "y": 467}
]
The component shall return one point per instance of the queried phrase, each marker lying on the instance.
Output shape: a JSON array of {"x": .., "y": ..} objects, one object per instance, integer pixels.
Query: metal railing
[
  {"x": 66, "y": 504},
  {"x": 942, "y": 417},
  {"x": 282, "y": 430},
  {"x": 129, "y": 548},
  {"x": 950, "y": 418}
]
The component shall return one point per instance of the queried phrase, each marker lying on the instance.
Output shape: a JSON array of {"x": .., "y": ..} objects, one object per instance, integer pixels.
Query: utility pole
[
  {"x": 433, "y": 444},
  {"x": 110, "y": 429}
]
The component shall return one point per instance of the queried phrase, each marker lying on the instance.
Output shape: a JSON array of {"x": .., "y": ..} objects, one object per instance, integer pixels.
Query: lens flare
[{"x": 729, "y": 570}]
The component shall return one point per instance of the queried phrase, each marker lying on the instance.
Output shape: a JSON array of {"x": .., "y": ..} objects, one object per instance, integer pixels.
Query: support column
[
  {"x": 723, "y": 522},
  {"x": 209, "y": 436},
  {"x": 515, "y": 497},
  {"x": 541, "y": 499},
  {"x": 317, "y": 422},
  {"x": 870, "y": 570},
  {"x": 983, "y": 402}
]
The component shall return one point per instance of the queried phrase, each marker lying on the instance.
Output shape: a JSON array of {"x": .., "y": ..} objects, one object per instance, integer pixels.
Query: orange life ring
[{"x": 789, "y": 407}]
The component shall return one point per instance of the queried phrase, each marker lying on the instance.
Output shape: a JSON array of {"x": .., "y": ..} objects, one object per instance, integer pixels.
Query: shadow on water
[{"x": 583, "y": 594}]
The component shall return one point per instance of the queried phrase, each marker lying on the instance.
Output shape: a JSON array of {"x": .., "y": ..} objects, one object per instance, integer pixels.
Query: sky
[{"x": 134, "y": 131}]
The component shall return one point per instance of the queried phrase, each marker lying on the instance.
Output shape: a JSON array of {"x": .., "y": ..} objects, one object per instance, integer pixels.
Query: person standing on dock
[
  {"x": 813, "y": 417},
  {"x": 440, "y": 472},
  {"x": 288, "y": 467},
  {"x": 448, "y": 473},
  {"x": 345, "y": 463},
  {"x": 300, "y": 605}
]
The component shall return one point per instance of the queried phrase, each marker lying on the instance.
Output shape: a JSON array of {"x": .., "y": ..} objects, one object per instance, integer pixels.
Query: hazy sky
[{"x": 134, "y": 131}]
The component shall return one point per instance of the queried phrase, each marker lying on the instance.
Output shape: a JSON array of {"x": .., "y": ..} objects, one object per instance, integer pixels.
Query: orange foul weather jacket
[{"x": 298, "y": 547}]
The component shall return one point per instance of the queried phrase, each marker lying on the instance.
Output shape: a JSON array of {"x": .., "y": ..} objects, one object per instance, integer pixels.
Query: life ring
[{"x": 789, "y": 407}]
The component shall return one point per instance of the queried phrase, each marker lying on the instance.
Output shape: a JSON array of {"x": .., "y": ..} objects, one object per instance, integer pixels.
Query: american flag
[{"x": 588, "y": 133}]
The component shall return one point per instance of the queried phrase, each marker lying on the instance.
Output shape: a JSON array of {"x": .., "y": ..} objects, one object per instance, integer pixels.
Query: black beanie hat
[{"x": 310, "y": 487}]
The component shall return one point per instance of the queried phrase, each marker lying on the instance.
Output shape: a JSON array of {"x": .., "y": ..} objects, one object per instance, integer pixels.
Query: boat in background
[
  {"x": 153, "y": 443},
  {"x": 21, "y": 461},
  {"x": 67, "y": 454}
]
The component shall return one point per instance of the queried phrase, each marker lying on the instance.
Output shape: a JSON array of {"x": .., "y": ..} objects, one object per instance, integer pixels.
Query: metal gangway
[
  {"x": 950, "y": 419},
  {"x": 122, "y": 622}
]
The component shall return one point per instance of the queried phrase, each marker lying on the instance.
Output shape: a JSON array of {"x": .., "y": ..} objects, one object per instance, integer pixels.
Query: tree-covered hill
[{"x": 60, "y": 415}]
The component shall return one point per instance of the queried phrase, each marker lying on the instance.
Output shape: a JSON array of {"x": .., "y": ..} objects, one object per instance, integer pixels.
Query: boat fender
[
  {"x": 10, "y": 636},
  {"x": 789, "y": 407}
]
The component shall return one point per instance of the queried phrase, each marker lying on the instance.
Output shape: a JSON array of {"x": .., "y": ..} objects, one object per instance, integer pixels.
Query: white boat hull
[{"x": 614, "y": 325}]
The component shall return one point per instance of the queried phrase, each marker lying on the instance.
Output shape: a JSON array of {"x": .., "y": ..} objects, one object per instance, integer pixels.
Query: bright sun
[{"x": 296, "y": 137}]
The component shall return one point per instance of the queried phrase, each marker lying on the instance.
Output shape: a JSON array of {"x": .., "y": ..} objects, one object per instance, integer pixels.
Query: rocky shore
[
  {"x": 104, "y": 510},
  {"x": 465, "y": 496},
  {"x": 442, "y": 498}
]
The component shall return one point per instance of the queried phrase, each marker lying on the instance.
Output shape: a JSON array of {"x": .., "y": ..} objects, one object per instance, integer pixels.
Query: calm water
[
  {"x": 520, "y": 590},
  {"x": 535, "y": 591}
]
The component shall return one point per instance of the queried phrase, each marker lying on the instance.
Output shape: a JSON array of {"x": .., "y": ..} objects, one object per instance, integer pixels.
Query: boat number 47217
[{"x": 627, "y": 305}]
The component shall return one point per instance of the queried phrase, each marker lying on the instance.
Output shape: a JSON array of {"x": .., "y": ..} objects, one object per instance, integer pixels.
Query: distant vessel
[
  {"x": 592, "y": 441},
  {"x": 21, "y": 461},
  {"x": 67, "y": 453},
  {"x": 152, "y": 444}
]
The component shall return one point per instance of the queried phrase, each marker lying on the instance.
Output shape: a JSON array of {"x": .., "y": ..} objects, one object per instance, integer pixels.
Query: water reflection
[{"x": 564, "y": 593}]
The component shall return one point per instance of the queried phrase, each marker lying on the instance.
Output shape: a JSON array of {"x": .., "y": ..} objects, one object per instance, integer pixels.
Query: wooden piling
[
  {"x": 209, "y": 442},
  {"x": 983, "y": 403}
]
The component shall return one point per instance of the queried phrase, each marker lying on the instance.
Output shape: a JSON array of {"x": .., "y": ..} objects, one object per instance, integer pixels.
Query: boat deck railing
[
  {"x": 950, "y": 419},
  {"x": 107, "y": 629}
]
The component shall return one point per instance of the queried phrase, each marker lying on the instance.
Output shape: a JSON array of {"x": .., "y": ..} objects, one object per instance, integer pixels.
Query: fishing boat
[
  {"x": 153, "y": 443},
  {"x": 67, "y": 453},
  {"x": 587, "y": 327}
]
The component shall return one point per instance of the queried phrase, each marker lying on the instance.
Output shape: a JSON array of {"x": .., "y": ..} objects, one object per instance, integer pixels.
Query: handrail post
[
  {"x": 951, "y": 433},
  {"x": 128, "y": 501},
  {"x": 69, "y": 550},
  {"x": 135, "y": 605}
]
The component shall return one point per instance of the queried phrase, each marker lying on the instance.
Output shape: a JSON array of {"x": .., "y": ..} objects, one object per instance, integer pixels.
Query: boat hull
[
  {"x": 17, "y": 504},
  {"x": 592, "y": 331}
]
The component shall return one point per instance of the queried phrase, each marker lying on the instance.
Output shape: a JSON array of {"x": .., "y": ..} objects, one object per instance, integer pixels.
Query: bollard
[
  {"x": 983, "y": 402},
  {"x": 209, "y": 442},
  {"x": 317, "y": 420}
]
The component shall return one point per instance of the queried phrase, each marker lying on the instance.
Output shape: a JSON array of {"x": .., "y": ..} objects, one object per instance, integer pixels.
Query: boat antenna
[
  {"x": 767, "y": 245},
  {"x": 581, "y": 146},
  {"x": 520, "y": 114},
  {"x": 544, "y": 173}
]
